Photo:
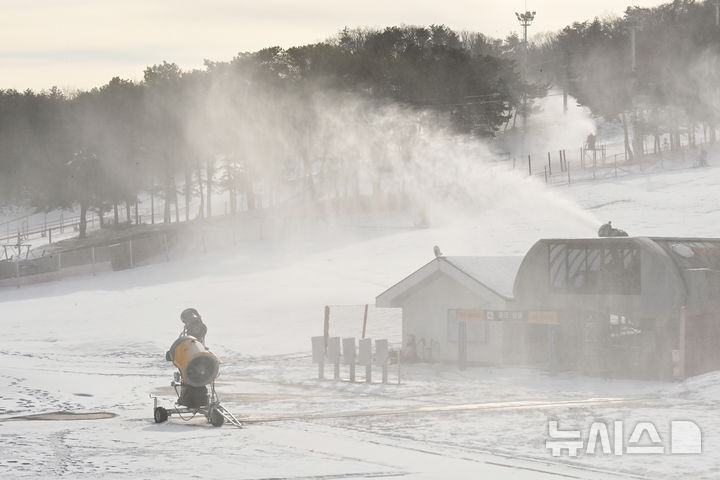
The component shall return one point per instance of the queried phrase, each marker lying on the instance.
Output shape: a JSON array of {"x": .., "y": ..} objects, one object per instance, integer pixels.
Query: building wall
[
  {"x": 662, "y": 287},
  {"x": 425, "y": 321},
  {"x": 654, "y": 311}
]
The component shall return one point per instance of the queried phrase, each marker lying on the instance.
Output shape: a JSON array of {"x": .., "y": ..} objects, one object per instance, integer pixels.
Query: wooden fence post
[
  {"x": 562, "y": 162},
  {"x": 365, "y": 320},
  {"x": 549, "y": 170},
  {"x": 567, "y": 169},
  {"x": 326, "y": 324}
]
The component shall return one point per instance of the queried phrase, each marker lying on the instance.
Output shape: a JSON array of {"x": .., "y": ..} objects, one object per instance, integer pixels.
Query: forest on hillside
[
  {"x": 318, "y": 116},
  {"x": 668, "y": 87}
]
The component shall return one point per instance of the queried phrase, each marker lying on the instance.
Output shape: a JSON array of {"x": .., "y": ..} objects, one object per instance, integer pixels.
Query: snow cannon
[
  {"x": 198, "y": 369},
  {"x": 198, "y": 366}
]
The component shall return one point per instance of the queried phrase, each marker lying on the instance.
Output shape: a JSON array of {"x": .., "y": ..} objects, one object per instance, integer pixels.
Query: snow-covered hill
[{"x": 98, "y": 343}]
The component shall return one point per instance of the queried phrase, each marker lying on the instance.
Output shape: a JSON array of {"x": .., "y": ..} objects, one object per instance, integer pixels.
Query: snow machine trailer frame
[{"x": 215, "y": 413}]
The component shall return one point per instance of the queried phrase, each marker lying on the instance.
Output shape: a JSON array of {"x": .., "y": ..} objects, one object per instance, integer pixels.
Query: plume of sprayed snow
[
  {"x": 445, "y": 176},
  {"x": 325, "y": 147},
  {"x": 549, "y": 128}
]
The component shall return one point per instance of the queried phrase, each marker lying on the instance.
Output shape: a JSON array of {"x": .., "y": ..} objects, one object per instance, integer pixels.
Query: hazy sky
[{"x": 84, "y": 43}]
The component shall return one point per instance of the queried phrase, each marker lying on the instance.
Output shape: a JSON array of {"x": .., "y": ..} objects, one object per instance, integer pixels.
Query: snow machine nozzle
[{"x": 197, "y": 365}]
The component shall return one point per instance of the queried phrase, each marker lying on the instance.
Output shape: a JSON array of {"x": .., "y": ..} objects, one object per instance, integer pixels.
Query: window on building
[{"x": 591, "y": 269}]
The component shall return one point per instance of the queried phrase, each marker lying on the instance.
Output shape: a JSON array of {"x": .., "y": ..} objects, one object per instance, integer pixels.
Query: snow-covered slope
[{"x": 98, "y": 343}]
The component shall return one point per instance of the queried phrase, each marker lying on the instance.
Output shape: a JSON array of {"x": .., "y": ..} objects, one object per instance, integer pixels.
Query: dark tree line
[{"x": 257, "y": 122}]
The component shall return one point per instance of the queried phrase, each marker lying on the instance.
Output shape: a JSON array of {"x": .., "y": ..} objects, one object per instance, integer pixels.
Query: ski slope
[{"x": 97, "y": 344}]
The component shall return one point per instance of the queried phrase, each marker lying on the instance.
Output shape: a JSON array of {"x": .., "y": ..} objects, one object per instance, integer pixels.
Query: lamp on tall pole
[{"x": 525, "y": 20}]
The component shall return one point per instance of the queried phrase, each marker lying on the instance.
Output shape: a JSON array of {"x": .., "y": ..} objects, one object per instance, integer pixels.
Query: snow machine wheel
[
  {"x": 216, "y": 418},
  {"x": 161, "y": 415}
]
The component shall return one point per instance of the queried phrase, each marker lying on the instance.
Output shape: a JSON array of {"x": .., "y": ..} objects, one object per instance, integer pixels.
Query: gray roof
[
  {"x": 496, "y": 273},
  {"x": 493, "y": 274}
]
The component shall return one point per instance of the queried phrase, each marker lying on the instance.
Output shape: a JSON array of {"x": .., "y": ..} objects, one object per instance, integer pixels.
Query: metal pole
[
  {"x": 593, "y": 169},
  {"x": 632, "y": 46},
  {"x": 680, "y": 373},
  {"x": 526, "y": 18},
  {"x": 399, "y": 359}
]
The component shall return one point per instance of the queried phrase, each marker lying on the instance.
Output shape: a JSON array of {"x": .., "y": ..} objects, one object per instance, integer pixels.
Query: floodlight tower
[
  {"x": 525, "y": 20},
  {"x": 634, "y": 24}
]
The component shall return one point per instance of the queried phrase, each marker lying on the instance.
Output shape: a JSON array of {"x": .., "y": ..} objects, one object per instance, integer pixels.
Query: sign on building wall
[
  {"x": 504, "y": 315},
  {"x": 547, "y": 317}
]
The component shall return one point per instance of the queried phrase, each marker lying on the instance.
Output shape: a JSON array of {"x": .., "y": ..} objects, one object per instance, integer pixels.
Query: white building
[{"x": 452, "y": 298}]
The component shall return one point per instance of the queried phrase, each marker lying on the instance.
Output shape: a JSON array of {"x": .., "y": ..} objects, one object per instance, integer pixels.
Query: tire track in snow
[{"x": 434, "y": 409}]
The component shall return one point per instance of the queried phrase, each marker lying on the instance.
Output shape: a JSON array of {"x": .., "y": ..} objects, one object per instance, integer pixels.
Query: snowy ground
[{"x": 97, "y": 345}]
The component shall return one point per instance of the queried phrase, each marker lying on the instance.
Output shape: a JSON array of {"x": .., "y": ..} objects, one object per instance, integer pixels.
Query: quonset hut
[
  {"x": 619, "y": 306},
  {"x": 626, "y": 306}
]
